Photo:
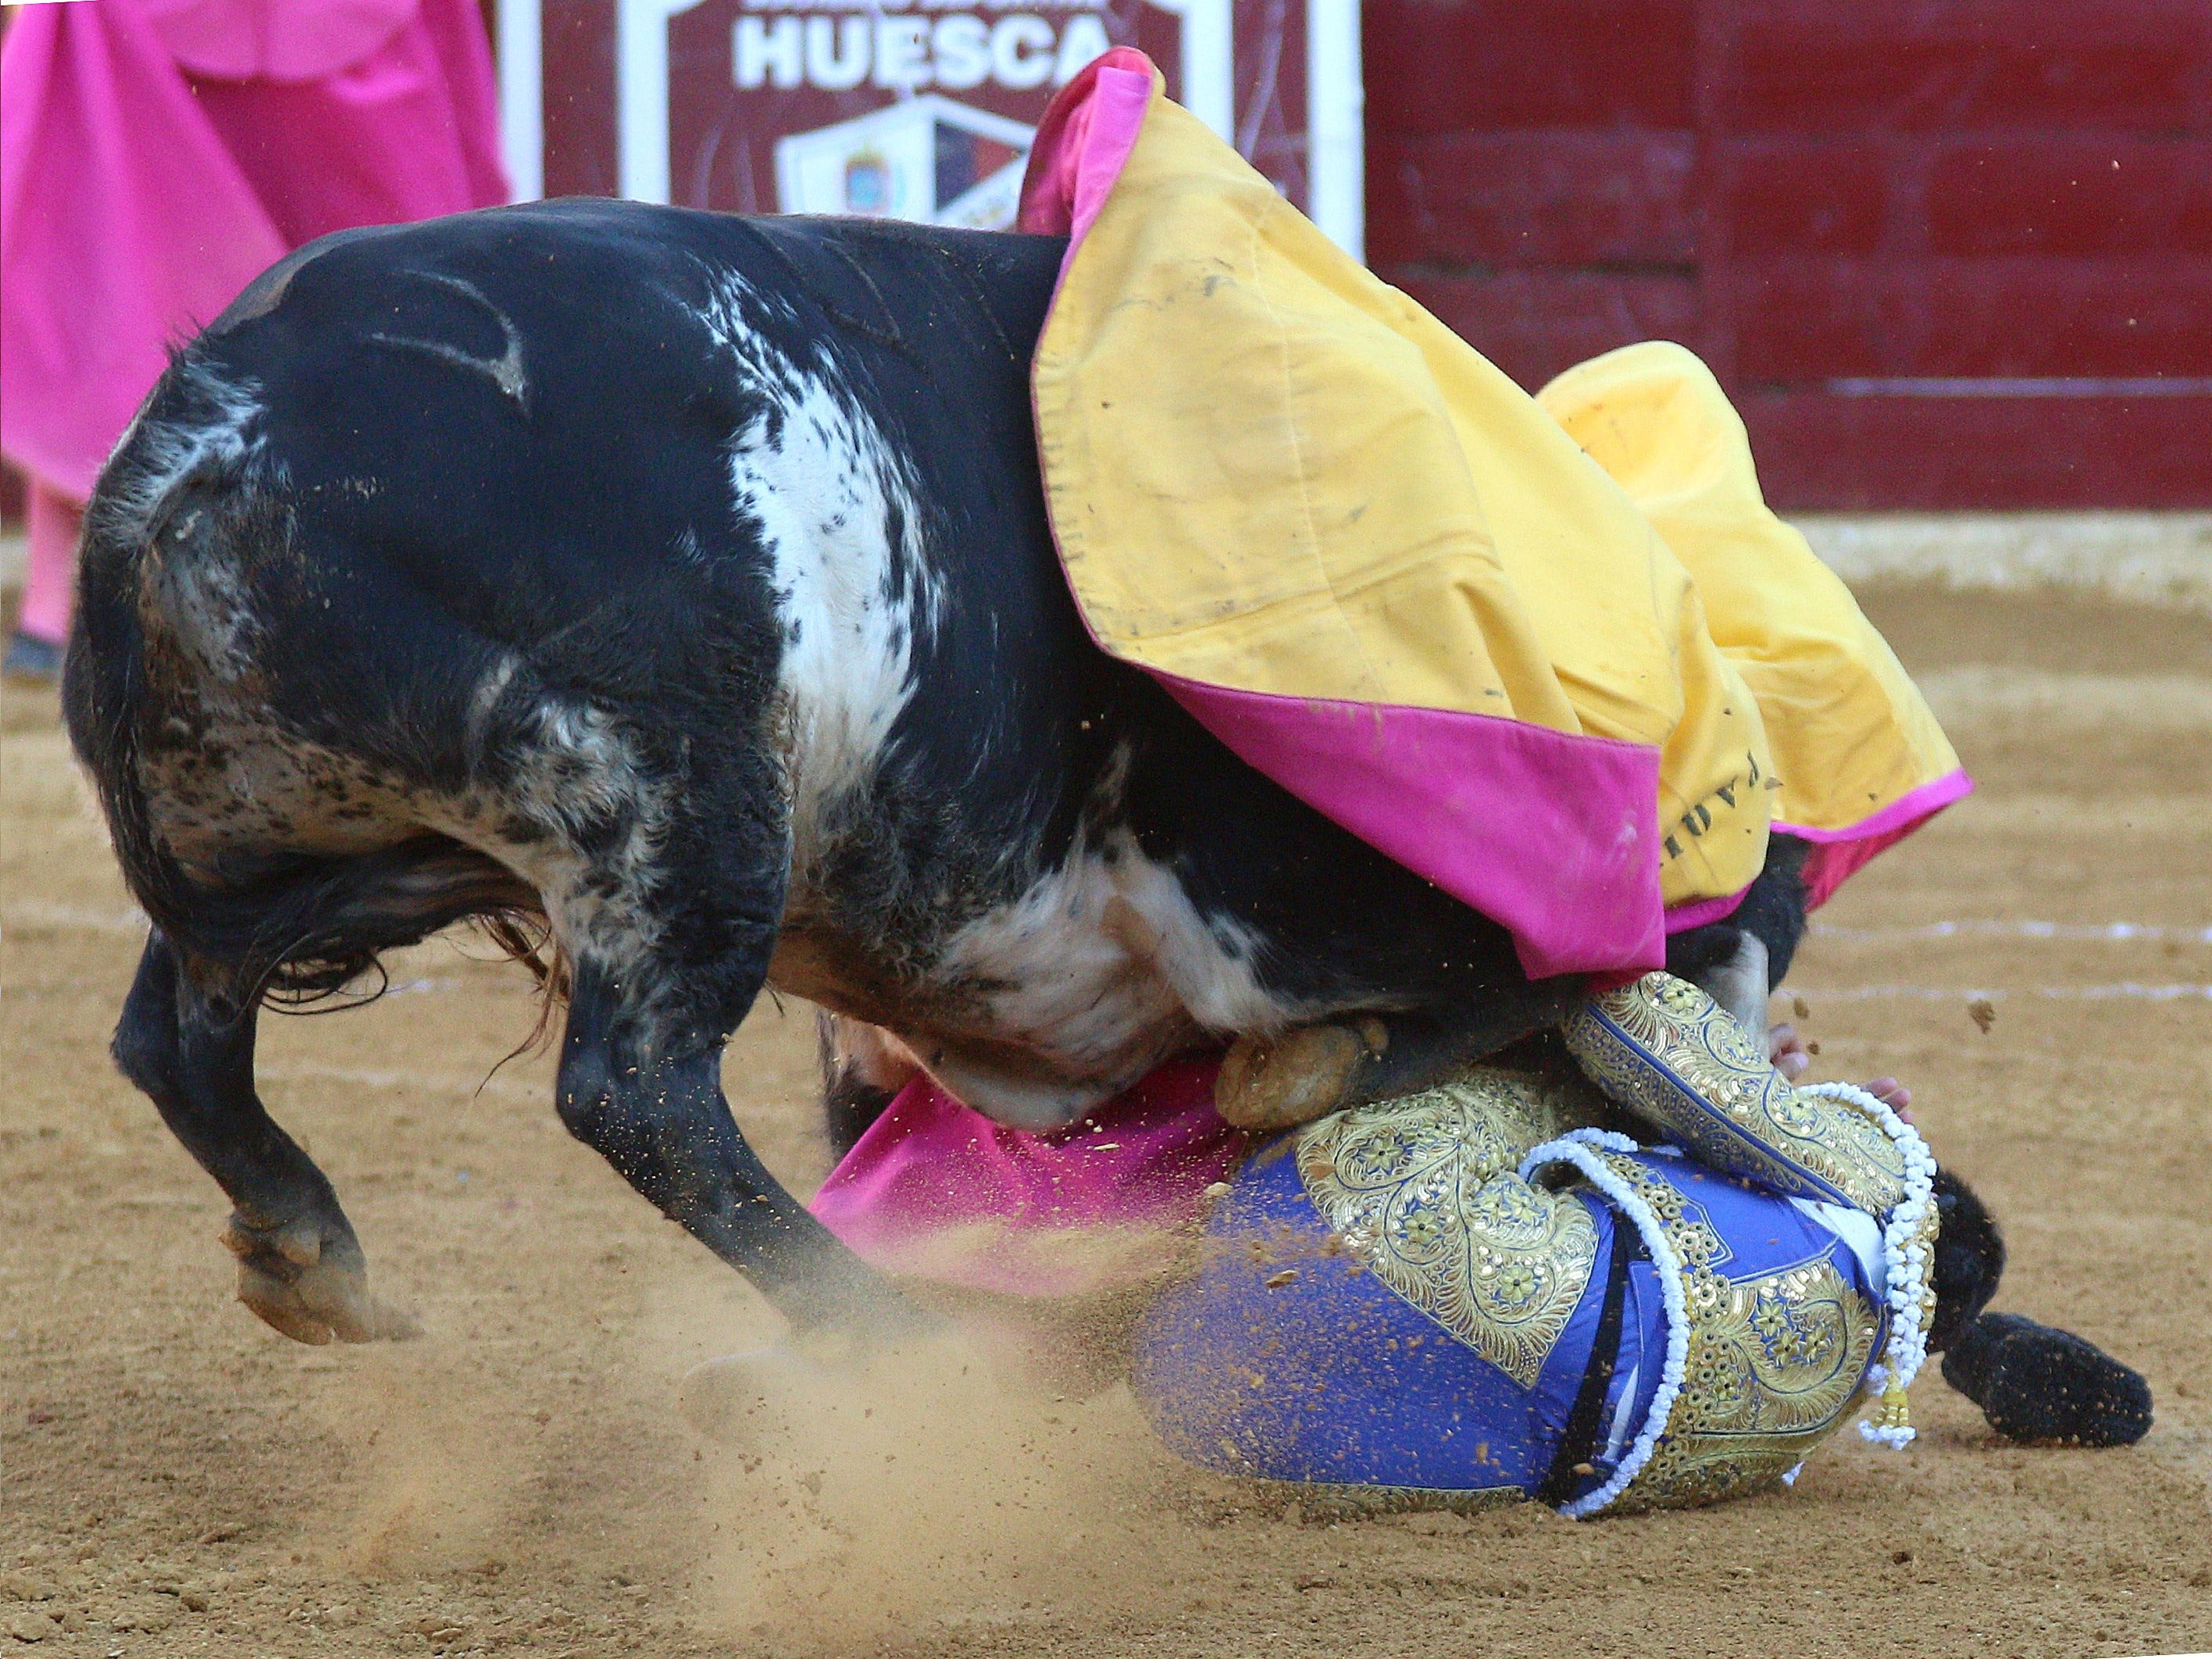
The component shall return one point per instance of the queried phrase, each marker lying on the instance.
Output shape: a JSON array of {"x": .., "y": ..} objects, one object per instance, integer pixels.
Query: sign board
[{"x": 909, "y": 109}]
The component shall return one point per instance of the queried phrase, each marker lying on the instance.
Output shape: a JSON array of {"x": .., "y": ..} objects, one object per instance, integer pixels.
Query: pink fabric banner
[{"x": 135, "y": 201}]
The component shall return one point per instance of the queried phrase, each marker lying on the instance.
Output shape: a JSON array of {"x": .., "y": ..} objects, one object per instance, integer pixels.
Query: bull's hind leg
[{"x": 299, "y": 1266}]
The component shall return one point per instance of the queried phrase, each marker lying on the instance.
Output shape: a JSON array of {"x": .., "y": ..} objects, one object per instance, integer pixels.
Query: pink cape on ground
[
  {"x": 142, "y": 184},
  {"x": 936, "y": 1188}
]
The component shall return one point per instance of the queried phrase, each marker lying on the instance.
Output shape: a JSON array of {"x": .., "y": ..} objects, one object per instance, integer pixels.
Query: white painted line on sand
[
  {"x": 2126, "y": 991},
  {"x": 2113, "y": 932}
]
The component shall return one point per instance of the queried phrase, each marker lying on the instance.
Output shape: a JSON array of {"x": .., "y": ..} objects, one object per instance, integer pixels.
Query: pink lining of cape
[
  {"x": 1837, "y": 854},
  {"x": 1553, "y": 836},
  {"x": 1684, "y": 917},
  {"x": 1081, "y": 146}
]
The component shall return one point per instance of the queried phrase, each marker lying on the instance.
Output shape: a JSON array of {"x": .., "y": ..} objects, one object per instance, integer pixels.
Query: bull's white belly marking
[{"x": 1103, "y": 969}]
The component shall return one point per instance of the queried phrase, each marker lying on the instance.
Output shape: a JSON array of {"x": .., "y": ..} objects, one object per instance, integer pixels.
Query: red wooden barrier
[{"x": 1944, "y": 255}]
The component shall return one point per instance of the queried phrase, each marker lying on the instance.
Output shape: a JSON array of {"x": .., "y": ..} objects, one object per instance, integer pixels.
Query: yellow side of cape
[
  {"x": 1269, "y": 471},
  {"x": 1849, "y": 731}
]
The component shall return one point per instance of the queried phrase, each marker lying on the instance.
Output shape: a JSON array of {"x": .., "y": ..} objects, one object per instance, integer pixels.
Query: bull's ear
[{"x": 1969, "y": 1260}]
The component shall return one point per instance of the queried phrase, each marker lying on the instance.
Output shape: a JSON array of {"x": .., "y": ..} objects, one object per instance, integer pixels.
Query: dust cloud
[{"x": 937, "y": 1482}]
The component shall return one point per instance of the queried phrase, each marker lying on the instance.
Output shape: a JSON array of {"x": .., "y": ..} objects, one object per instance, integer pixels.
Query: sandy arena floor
[{"x": 179, "y": 1481}]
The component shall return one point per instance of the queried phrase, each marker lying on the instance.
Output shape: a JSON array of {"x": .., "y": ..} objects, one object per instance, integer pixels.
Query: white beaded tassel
[{"x": 1910, "y": 1260}]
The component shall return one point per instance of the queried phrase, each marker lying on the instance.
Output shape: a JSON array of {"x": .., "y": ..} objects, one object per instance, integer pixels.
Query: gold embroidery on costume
[
  {"x": 1775, "y": 1362},
  {"x": 1730, "y": 1108},
  {"x": 1422, "y": 1190}
]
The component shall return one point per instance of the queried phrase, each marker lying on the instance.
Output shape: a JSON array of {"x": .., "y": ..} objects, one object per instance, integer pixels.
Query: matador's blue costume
[{"x": 1476, "y": 1292}]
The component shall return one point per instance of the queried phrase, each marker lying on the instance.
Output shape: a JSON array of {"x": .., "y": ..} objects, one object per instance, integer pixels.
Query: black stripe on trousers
[{"x": 1578, "y": 1441}]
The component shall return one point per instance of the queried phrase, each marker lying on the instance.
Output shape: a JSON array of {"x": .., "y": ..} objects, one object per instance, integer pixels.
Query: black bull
[{"x": 683, "y": 583}]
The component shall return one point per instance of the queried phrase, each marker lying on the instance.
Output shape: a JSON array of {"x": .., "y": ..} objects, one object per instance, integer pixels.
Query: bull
[{"x": 680, "y": 585}]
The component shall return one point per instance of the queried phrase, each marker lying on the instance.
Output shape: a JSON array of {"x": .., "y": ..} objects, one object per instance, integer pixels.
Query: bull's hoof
[
  {"x": 1267, "y": 1085},
  {"x": 311, "y": 1287},
  {"x": 2047, "y": 1386}
]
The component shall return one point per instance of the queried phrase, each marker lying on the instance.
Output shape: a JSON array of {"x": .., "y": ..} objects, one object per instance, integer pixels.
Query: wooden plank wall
[{"x": 1945, "y": 253}]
